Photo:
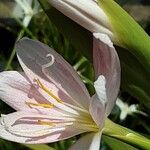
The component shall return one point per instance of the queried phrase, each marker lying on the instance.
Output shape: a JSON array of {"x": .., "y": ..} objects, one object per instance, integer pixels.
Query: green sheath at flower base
[
  {"x": 126, "y": 135},
  {"x": 128, "y": 33}
]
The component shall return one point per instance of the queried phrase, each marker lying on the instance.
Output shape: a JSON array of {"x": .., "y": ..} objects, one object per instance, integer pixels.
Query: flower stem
[{"x": 126, "y": 135}]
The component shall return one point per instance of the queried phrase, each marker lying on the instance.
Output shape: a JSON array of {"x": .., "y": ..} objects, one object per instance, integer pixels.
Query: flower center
[{"x": 76, "y": 116}]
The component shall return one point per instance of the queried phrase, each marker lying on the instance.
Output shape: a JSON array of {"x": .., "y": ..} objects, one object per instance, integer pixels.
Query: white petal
[
  {"x": 106, "y": 63},
  {"x": 100, "y": 88},
  {"x": 14, "y": 89},
  {"x": 8, "y": 136},
  {"x": 30, "y": 130},
  {"x": 90, "y": 141}
]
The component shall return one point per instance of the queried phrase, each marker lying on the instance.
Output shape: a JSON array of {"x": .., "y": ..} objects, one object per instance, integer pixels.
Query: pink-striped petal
[
  {"x": 40, "y": 61},
  {"x": 98, "y": 111},
  {"x": 36, "y": 128},
  {"x": 90, "y": 141},
  {"x": 106, "y": 63}
]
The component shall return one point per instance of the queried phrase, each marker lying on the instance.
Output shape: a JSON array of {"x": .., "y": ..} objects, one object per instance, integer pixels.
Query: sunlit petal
[
  {"x": 36, "y": 128},
  {"x": 100, "y": 88},
  {"x": 8, "y": 136},
  {"x": 14, "y": 89}
]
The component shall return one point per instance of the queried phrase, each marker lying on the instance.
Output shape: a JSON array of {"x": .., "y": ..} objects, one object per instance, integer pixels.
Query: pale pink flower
[{"x": 51, "y": 101}]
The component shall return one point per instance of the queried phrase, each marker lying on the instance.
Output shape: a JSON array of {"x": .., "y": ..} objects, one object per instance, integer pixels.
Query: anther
[
  {"x": 42, "y": 105},
  {"x": 47, "y": 90},
  {"x": 45, "y": 123}
]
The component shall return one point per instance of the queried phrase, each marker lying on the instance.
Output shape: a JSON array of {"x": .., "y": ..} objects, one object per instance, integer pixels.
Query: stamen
[
  {"x": 59, "y": 103},
  {"x": 77, "y": 108},
  {"x": 47, "y": 91},
  {"x": 45, "y": 123},
  {"x": 42, "y": 105}
]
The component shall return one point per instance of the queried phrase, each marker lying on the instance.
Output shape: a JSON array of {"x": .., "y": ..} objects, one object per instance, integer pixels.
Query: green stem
[{"x": 124, "y": 134}]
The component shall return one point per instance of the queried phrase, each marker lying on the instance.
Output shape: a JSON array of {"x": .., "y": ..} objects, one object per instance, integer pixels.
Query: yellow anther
[
  {"x": 45, "y": 123},
  {"x": 47, "y": 91},
  {"x": 42, "y": 105}
]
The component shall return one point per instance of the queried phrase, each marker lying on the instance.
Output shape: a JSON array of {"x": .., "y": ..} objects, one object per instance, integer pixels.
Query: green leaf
[
  {"x": 128, "y": 32},
  {"x": 7, "y": 145},
  {"x": 115, "y": 144},
  {"x": 39, "y": 147},
  {"x": 135, "y": 78}
]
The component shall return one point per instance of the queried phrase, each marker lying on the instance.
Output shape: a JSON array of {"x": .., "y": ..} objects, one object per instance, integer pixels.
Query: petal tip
[
  {"x": 104, "y": 38},
  {"x": 20, "y": 41}
]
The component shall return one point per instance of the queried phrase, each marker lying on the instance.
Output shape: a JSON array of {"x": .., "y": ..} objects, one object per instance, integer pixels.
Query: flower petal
[
  {"x": 40, "y": 61},
  {"x": 90, "y": 141},
  {"x": 87, "y": 13},
  {"x": 14, "y": 89},
  {"x": 100, "y": 88},
  {"x": 106, "y": 63},
  {"x": 97, "y": 111},
  {"x": 36, "y": 128},
  {"x": 4, "y": 134}
]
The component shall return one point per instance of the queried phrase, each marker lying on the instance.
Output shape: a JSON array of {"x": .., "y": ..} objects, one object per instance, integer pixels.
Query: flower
[
  {"x": 126, "y": 109},
  {"x": 27, "y": 9},
  {"x": 86, "y": 13},
  {"x": 106, "y": 16},
  {"x": 50, "y": 100}
]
